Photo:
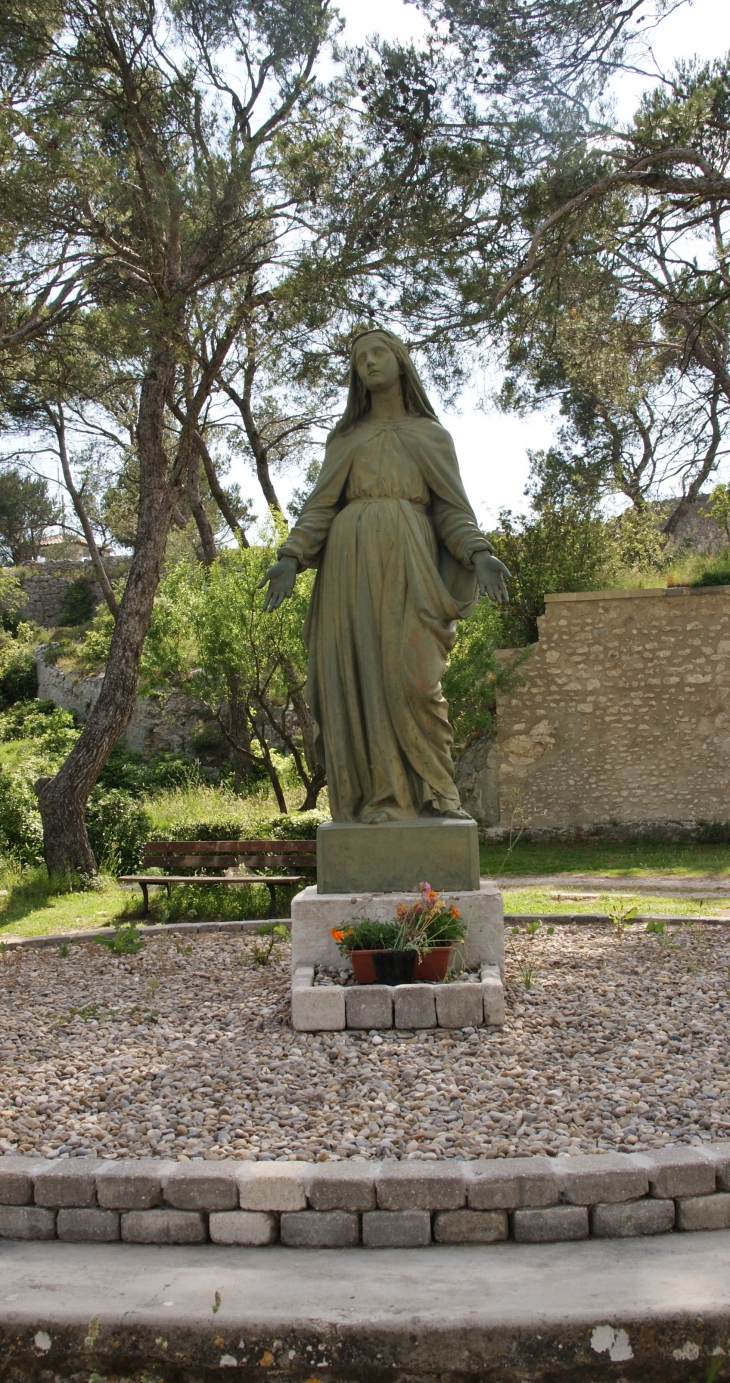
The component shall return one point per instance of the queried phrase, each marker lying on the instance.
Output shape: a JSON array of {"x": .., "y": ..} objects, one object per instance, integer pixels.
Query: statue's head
[{"x": 378, "y": 353}]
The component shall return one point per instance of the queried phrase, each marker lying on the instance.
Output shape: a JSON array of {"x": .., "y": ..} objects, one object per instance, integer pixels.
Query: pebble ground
[{"x": 185, "y": 1050}]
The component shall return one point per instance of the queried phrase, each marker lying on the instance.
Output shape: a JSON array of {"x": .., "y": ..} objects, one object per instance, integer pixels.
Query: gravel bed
[{"x": 185, "y": 1050}]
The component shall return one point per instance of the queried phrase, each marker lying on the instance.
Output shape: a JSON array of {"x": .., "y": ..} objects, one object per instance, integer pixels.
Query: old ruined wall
[
  {"x": 172, "y": 722},
  {"x": 45, "y": 584},
  {"x": 624, "y": 715}
]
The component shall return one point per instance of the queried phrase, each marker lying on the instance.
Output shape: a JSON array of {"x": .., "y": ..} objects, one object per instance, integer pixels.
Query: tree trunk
[
  {"x": 62, "y": 799},
  {"x": 219, "y": 494},
  {"x": 203, "y": 524},
  {"x": 59, "y": 427},
  {"x": 240, "y": 734}
]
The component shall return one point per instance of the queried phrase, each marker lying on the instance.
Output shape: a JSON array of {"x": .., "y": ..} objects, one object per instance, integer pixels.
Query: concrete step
[{"x": 655, "y": 1310}]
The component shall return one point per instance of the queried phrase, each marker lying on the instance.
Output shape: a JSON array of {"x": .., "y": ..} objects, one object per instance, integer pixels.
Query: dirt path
[{"x": 692, "y": 885}]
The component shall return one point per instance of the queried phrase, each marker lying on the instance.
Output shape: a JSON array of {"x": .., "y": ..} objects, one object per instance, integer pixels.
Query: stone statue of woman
[{"x": 400, "y": 559}]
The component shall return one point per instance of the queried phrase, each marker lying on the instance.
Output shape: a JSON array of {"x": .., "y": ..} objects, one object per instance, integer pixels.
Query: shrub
[
  {"x": 118, "y": 828},
  {"x": 131, "y": 773},
  {"x": 21, "y": 830},
  {"x": 18, "y": 672},
  {"x": 716, "y": 576},
  {"x": 52, "y": 731},
  {"x": 295, "y": 826},
  {"x": 78, "y": 602}
]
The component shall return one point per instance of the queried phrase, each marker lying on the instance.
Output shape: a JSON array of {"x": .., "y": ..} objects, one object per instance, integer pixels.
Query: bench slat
[
  {"x": 232, "y": 847},
  {"x": 210, "y": 879}
]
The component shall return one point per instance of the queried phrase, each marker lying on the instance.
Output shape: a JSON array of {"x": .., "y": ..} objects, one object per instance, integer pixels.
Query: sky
[{"x": 492, "y": 447}]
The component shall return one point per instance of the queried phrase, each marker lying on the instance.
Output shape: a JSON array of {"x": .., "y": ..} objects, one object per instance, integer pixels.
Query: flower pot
[
  {"x": 432, "y": 965},
  {"x": 362, "y": 965},
  {"x": 394, "y": 967}
]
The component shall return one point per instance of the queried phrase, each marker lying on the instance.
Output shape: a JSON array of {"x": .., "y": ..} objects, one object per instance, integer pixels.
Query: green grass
[
  {"x": 542, "y": 901},
  {"x": 32, "y": 905},
  {"x": 619, "y": 860}
]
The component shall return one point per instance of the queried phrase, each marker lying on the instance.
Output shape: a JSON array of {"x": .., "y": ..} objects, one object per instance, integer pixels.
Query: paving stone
[
  {"x": 206, "y": 1187},
  {"x": 16, "y": 1178},
  {"x": 459, "y": 1005},
  {"x": 551, "y": 1226},
  {"x": 252, "y": 1227},
  {"x": 27, "y": 1222},
  {"x": 341, "y": 1186},
  {"x": 495, "y": 1014},
  {"x": 719, "y": 1155},
  {"x": 606, "y": 1177},
  {"x": 678, "y": 1172},
  {"x": 414, "y": 1006},
  {"x": 88, "y": 1226},
  {"x": 163, "y": 1227},
  {"x": 514, "y": 1183},
  {"x": 71, "y": 1183},
  {"x": 420, "y": 1186},
  {"x": 650, "y": 1216},
  {"x": 470, "y": 1227},
  {"x": 704, "y": 1212},
  {"x": 396, "y": 1229},
  {"x": 272, "y": 1185},
  {"x": 132, "y": 1185},
  {"x": 369, "y": 1006},
  {"x": 320, "y": 1229},
  {"x": 303, "y": 977},
  {"x": 319, "y": 1009}
]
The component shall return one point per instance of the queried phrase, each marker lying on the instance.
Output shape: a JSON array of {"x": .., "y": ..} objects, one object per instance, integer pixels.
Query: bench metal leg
[
  {"x": 272, "y": 909},
  {"x": 146, "y": 896}
]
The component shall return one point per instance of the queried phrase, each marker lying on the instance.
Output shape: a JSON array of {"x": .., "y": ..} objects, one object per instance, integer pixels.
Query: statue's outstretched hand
[
  {"x": 491, "y": 574},
  {"x": 281, "y": 578}
]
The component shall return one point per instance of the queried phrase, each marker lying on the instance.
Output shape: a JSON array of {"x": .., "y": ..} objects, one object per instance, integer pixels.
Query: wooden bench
[{"x": 167, "y": 855}]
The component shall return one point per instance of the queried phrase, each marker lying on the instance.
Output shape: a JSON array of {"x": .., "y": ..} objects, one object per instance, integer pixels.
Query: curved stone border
[{"x": 374, "y": 1204}]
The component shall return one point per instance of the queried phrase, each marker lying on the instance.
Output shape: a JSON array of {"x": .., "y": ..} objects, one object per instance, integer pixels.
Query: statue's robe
[{"x": 393, "y": 535}]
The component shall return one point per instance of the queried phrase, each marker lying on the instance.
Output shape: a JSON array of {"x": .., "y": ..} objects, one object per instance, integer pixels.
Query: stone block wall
[
  {"x": 388, "y": 1204},
  {"x": 624, "y": 715},
  {"x": 45, "y": 584}
]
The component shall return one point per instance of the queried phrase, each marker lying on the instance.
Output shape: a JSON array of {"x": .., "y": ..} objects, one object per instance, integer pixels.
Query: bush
[
  {"x": 295, "y": 826},
  {"x": 716, "y": 576},
  {"x": 51, "y": 730},
  {"x": 21, "y": 830},
  {"x": 131, "y": 773},
  {"x": 118, "y": 828},
  {"x": 78, "y": 602},
  {"x": 18, "y": 672}
]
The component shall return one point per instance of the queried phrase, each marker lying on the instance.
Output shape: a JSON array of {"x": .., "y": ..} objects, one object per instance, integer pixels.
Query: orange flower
[
  {"x": 338, "y": 934},
  {"x": 455, "y": 912}
]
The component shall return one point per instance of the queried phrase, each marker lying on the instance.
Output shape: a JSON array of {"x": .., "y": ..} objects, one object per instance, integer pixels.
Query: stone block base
[
  {"x": 314, "y": 915},
  {"x": 397, "y": 855},
  {"x": 329, "y": 1008}
]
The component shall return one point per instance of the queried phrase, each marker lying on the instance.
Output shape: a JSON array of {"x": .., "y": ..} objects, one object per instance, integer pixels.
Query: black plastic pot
[{"x": 394, "y": 967}]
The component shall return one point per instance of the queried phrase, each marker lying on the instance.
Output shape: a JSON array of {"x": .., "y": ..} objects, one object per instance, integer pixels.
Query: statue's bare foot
[
  {"x": 378, "y": 818},
  {"x": 456, "y": 814}
]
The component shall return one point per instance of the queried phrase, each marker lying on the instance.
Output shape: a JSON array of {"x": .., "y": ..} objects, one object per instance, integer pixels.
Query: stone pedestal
[
  {"x": 397, "y": 855},
  {"x": 314, "y": 915}
]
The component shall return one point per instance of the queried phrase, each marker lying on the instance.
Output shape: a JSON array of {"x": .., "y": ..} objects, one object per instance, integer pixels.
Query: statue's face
[{"x": 376, "y": 363}]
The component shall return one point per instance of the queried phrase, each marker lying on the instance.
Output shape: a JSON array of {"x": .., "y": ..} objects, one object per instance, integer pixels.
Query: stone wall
[
  {"x": 477, "y": 778},
  {"x": 45, "y": 584},
  {"x": 171, "y": 722},
  {"x": 624, "y": 715}
]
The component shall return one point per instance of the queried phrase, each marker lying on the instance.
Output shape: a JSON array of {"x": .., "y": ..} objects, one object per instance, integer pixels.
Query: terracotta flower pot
[
  {"x": 432, "y": 965},
  {"x": 362, "y": 964}
]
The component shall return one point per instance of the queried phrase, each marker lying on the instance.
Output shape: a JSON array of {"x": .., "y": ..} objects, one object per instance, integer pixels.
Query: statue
[{"x": 400, "y": 559}]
